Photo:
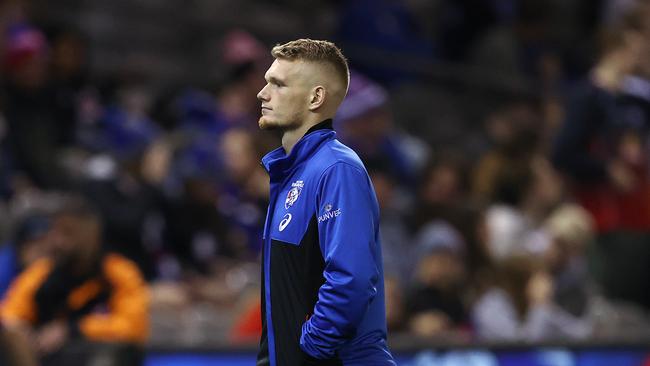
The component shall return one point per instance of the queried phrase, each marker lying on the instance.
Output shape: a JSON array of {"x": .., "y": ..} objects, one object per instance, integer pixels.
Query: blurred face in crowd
[
  {"x": 545, "y": 190},
  {"x": 442, "y": 270},
  {"x": 513, "y": 128},
  {"x": 75, "y": 236},
  {"x": 239, "y": 154},
  {"x": 285, "y": 97},
  {"x": 443, "y": 185}
]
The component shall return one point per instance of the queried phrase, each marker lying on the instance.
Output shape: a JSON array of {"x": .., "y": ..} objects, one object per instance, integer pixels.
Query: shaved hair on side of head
[{"x": 316, "y": 51}]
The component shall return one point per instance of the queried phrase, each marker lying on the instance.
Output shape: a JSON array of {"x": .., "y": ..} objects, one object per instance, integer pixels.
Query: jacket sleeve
[
  {"x": 347, "y": 224},
  {"x": 127, "y": 319},
  {"x": 19, "y": 304}
]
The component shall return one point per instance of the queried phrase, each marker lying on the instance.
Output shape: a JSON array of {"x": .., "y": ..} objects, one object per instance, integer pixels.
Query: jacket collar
[
  {"x": 325, "y": 125},
  {"x": 278, "y": 164}
]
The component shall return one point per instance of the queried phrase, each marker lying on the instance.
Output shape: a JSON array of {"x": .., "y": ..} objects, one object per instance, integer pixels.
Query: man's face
[
  {"x": 239, "y": 151},
  {"x": 72, "y": 235},
  {"x": 285, "y": 97}
]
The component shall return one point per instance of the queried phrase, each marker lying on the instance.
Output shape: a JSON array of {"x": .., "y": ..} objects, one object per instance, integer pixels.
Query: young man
[{"x": 323, "y": 286}]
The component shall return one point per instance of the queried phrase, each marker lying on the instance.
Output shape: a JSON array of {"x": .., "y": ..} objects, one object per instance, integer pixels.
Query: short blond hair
[{"x": 316, "y": 51}]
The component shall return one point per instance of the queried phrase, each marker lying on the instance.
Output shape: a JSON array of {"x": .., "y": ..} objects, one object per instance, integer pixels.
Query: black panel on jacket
[{"x": 296, "y": 276}]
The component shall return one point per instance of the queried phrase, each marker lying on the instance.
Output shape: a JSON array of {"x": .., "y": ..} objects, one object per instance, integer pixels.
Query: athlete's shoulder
[
  {"x": 335, "y": 152},
  {"x": 119, "y": 268}
]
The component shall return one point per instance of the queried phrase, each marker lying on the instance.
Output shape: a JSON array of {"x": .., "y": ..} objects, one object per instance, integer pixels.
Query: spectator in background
[
  {"x": 244, "y": 191},
  {"x": 523, "y": 200},
  {"x": 396, "y": 237},
  {"x": 397, "y": 245},
  {"x": 570, "y": 229},
  {"x": 366, "y": 124},
  {"x": 222, "y": 181},
  {"x": 123, "y": 177},
  {"x": 246, "y": 57},
  {"x": 34, "y": 133},
  {"x": 434, "y": 304},
  {"x": 79, "y": 294},
  {"x": 515, "y": 182},
  {"x": 513, "y": 130},
  {"x": 218, "y": 212},
  {"x": 603, "y": 149},
  {"x": 509, "y": 229},
  {"x": 129, "y": 203},
  {"x": 442, "y": 193},
  {"x": 519, "y": 306},
  {"x": 233, "y": 103},
  {"x": 196, "y": 232},
  {"x": 30, "y": 243},
  {"x": 231, "y": 204}
]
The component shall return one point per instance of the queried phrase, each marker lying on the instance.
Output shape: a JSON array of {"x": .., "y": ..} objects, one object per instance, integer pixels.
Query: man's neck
[{"x": 291, "y": 138}]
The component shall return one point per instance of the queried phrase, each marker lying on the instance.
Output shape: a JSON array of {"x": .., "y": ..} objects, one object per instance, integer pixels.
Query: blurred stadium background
[{"x": 508, "y": 141}]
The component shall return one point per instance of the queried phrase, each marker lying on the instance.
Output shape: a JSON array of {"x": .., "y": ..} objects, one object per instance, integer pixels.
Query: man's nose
[{"x": 262, "y": 95}]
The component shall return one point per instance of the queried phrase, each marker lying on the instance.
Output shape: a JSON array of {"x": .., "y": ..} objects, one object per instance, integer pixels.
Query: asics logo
[{"x": 285, "y": 221}]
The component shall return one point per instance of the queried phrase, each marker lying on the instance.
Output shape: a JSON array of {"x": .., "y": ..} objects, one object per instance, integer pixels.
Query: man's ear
[{"x": 317, "y": 97}]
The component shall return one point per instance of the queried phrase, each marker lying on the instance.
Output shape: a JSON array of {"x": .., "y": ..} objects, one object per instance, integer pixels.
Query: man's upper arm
[
  {"x": 128, "y": 317},
  {"x": 19, "y": 304}
]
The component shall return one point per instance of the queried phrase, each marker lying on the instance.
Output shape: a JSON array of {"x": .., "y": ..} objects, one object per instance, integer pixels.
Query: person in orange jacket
[{"x": 80, "y": 293}]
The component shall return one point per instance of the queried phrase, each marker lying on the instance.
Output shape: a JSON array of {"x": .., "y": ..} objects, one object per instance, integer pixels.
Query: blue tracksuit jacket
[{"x": 323, "y": 286}]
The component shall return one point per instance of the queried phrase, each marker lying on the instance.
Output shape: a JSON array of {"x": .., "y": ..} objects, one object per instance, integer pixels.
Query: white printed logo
[
  {"x": 285, "y": 221},
  {"x": 329, "y": 213},
  {"x": 294, "y": 193}
]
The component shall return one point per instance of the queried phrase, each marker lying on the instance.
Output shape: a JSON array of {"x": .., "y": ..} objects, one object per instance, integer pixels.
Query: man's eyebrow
[{"x": 275, "y": 80}]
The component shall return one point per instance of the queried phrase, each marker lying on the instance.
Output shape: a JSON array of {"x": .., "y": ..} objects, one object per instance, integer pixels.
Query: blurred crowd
[{"x": 508, "y": 142}]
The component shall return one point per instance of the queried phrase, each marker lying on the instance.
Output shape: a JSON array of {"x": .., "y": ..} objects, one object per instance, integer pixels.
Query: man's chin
[{"x": 267, "y": 125}]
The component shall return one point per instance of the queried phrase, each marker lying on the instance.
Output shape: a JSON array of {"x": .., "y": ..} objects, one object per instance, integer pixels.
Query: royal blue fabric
[{"x": 321, "y": 177}]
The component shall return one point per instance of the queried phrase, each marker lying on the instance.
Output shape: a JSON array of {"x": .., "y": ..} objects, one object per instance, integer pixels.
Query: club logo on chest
[{"x": 294, "y": 193}]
